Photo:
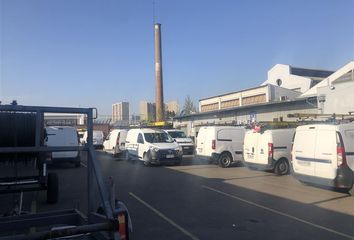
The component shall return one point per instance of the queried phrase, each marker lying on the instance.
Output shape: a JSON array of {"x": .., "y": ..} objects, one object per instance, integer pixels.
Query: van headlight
[
  {"x": 179, "y": 150},
  {"x": 154, "y": 149},
  {"x": 153, "y": 152}
]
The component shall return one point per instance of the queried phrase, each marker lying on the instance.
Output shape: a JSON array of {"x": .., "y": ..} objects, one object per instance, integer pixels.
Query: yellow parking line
[
  {"x": 170, "y": 221},
  {"x": 279, "y": 213}
]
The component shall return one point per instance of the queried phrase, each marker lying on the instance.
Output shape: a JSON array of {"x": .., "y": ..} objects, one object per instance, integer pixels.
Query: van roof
[
  {"x": 329, "y": 125},
  {"x": 150, "y": 130}
]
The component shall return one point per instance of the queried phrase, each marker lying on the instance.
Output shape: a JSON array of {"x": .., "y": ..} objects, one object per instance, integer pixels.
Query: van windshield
[
  {"x": 177, "y": 134},
  {"x": 158, "y": 137}
]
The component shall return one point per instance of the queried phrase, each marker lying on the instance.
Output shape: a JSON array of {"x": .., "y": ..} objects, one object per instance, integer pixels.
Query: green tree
[{"x": 189, "y": 106}]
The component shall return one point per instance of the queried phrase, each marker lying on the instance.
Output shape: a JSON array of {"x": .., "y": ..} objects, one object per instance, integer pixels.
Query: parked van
[
  {"x": 220, "y": 144},
  {"x": 115, "y": 142},
  {"x": 268, "y": 149},
  {"x": 324, "y": 154},
  {"x": 185, "y": 142},
  {"x": 152, "y": 146},
  {"x": 63, "y": 136},
  {"x": 97, "y": 139}
]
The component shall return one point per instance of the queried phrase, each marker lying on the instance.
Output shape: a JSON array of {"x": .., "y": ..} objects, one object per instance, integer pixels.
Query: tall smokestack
[{"x": 158, "y": 74}]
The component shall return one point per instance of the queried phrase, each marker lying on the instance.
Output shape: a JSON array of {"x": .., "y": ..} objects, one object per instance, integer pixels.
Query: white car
[
  {"x": 268, "y": 149},
  {"x": 185, "y": 142},
  {"x": 324, "y": 154},
  {"x": 222, "y": 144},
  {"x": 97, "y": 139},
  {"x": 115, "y": 142},
  {"x": 63, "y": 136},
  {"x": 152, "y": 146}
]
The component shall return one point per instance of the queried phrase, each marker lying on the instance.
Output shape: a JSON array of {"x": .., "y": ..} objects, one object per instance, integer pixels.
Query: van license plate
[{"x": 170, "y": 156}]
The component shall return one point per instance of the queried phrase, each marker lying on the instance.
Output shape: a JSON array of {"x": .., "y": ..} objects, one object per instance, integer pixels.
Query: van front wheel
[
  {"x": 225, "y": 160},
  {"x": 351, "y": 191},
  {"x": 282, "y": 167}
]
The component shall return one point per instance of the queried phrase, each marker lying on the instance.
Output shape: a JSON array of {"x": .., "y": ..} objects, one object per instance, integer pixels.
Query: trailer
[{"x": 110, "y": 221}]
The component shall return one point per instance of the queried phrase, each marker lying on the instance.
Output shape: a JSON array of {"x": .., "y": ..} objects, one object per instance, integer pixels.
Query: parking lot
[{"x": 201, "y": 201}]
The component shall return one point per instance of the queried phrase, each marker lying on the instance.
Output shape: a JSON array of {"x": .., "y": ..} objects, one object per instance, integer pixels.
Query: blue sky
[{"x": 94, "y": 53}]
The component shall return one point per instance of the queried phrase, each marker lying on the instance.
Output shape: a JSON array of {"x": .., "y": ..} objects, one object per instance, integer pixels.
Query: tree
[{"x": 189, "y": 106}]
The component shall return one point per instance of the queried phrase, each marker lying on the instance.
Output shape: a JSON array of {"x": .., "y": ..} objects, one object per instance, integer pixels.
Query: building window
[
  {"x": 230, "y": 103},
  {"x": 279, "y": 82},
  {"x": 254, "y": 99},
  {"x": 210, "y": 107}
]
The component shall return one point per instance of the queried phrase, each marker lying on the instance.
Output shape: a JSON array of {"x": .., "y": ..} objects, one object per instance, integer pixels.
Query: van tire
[
  {"x": 225, "y": 160},
  {"x": 282, "y": 167},
  {"x": 52, "y": 188},
  {"x": 127, "y": 156},
  {"x": 77, "y": 162},
  {"x": 351, "y": 190},
  {"x": 146, "y": 159}
]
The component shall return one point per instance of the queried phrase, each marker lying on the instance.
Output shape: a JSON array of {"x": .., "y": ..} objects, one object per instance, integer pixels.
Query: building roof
[
  {"x": 312, "y": 73},
  {"x": 240, "y": 108},
  {"x": 329, "y": 80}
]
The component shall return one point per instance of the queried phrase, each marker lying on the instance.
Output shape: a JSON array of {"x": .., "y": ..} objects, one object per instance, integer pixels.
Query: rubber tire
[
  {"x": 127, "y": 156},
  {"x": 146, "y": 158},
  {"x": 52, "y": 188},
  {"x": 225, "y": 160},
  {"x": 282, "y": 167},
  {"x": 77, "y": 163},
  {"x": 351, "y": 191}
]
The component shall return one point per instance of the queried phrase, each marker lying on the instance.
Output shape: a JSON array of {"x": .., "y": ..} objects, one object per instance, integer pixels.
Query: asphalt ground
[{"x": 201, "y": 201}]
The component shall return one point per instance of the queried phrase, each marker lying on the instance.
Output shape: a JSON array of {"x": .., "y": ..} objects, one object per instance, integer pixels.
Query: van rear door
[
  {"x": 250, "y": 146},
  {"x": 201, "y": 141},
  {"x": 262, "y": 149},
  {"x": 122, "y": 135},
  {"x": 304, "y": 150},
  {"x": 326, "y": 153},
  {"x": 237, "y": 136}
]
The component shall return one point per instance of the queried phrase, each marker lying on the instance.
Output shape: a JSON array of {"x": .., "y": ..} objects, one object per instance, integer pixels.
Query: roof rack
[{"x": 334, "y": 118}]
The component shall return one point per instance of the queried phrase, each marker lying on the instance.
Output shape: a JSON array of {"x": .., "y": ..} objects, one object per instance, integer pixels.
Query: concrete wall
[{"x": 339, "y": 100}]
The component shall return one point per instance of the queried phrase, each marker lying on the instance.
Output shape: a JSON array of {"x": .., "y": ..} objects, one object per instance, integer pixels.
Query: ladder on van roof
[{"x": 337, "y": 118}]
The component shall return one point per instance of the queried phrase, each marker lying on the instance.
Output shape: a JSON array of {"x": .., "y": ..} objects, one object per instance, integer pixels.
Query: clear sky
[{"x": 93, "y": 53}]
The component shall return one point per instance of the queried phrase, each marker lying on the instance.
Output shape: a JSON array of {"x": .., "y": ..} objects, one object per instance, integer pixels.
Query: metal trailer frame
[{"x": 110, "y": 224}]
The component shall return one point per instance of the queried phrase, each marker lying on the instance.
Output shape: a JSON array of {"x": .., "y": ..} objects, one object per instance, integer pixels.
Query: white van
[
  {"x": 221, "y": 144},
  {"x": 63, "y": 136},
  {"x": 268, "y": 149},
  {"x": 97, "y": 138},
  {"x": 185, "y": 142},
  {"x": 115, "y": 142},
  {"x": 324, "y": 154},
  {"x": 152, "y": 146}
]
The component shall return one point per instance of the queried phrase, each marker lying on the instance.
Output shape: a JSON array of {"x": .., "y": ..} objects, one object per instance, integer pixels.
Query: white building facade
[{"x": 120, "y": 111}]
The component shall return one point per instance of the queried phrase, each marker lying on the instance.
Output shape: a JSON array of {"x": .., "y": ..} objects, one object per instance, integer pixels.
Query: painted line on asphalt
[
  {"x": 279, "y": 212},
  {"x": 83, "y": 164},
  {"x": 170, "y": 221}
]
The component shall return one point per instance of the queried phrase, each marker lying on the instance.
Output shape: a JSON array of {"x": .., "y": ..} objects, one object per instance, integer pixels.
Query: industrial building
[
  {"x": 172, "y": 106},
  {"x": 287, "y": 90},
  {"x": 147, "y": 111},
  {"x": 120, "y": 112}
]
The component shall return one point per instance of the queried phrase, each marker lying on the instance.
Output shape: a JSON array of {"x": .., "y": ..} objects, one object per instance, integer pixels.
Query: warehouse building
[{"x": 287, "y": 90}]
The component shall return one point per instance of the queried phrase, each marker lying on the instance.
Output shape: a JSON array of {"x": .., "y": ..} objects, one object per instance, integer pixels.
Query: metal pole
[
  {"x": 90, "y": 182},
  {"x": 158, "y": 74}
]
